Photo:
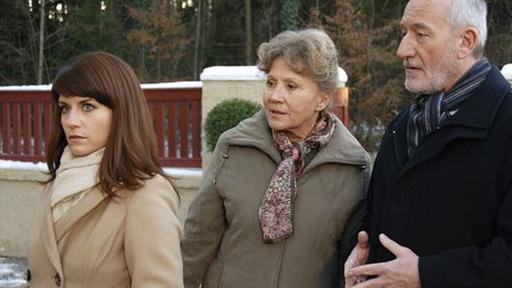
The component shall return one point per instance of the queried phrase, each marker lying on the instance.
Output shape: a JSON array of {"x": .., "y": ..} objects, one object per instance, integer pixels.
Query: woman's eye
[
  {"x": 270, "y": 83},
  {"x": 88, "y": 107},
  {"x": 291, "y": 86},
  {"x": 63, "y": 109}
]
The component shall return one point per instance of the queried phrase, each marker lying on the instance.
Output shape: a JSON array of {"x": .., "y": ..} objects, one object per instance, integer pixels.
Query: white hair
[{"x": 473, "y": 13}]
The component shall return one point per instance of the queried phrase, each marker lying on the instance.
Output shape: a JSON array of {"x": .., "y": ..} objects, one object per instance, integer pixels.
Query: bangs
[{"x": 76, "y": 80}]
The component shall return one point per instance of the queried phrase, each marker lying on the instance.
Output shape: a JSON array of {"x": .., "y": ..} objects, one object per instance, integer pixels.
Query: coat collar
[
  {"x": 471, "y": 121},
  {"x": 479, "y": 110},
  {"x": 92, "y": 199},
  {"x": 48, "y": 232},
  {"x": 255, "y": 132},
  {"x": 53, "y": 232}
]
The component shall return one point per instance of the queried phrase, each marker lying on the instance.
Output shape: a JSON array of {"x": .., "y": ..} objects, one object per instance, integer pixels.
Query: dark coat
[{"x": 451, "y": 201}]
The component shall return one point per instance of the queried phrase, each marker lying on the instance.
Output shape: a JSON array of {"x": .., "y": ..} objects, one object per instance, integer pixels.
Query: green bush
[{"x": 226, "y": 115}]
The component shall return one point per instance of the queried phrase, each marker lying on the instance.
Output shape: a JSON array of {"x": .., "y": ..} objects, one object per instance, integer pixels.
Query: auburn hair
[{"x": 130, "y": 155}]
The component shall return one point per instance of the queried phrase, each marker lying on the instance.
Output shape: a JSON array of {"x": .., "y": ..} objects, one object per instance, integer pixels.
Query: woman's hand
[{"x": 357, "y": 257}]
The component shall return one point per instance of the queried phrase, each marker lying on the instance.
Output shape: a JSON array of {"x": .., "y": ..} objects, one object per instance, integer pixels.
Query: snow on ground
[
  {"x": 46, "y": 87},
  {"x": 20, "y": 165},
  {"x": 163, "y": 85},
  {"x": 12, "y": 272}
]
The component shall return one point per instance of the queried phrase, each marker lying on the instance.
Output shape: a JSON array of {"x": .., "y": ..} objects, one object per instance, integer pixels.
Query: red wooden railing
[
  {"x": 177, "y": 120},
  {"x": 26, "y": 123}
]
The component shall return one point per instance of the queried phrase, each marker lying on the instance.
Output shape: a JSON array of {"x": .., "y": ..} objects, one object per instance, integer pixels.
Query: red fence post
[
  {"x": 171, "y": 129},
  {"x": 6, "y": 128},
  {"x": 341, "y": 104},
  {"x": 16, "y": 117},
  {"x": 38, "y": 121},
  {"x": 27, "y": 128}
]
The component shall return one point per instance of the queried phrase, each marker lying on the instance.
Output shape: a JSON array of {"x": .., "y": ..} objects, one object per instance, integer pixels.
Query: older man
[{"x": 440, "y": 198}]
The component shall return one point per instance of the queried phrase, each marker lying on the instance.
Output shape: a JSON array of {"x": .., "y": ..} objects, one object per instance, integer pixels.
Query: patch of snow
[
  {"x": 507, "y": 72},
  {"x": 22, "y": 165},
  {"x": 46, "y": 87},
  {"x": 342, "y": 76},
  {"x": 12, "y": 272},
  {"x": 232, "y": 73},
  {"x": 40, "y": 166},
  {"x": 183, "y": 171},
  {"x": 172, "y": 85},
  {"x": 162, "y": 85}
]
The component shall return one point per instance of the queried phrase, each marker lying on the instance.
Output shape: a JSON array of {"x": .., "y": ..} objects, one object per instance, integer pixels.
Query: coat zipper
[{"x": 280, "y": 260}]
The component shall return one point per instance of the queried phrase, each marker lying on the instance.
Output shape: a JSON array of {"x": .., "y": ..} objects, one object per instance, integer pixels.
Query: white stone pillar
[{"x": 228, "y": 82}]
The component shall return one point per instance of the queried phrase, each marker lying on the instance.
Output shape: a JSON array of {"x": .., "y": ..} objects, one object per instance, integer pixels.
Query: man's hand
[
  {"x": 402, "y": 272},
  {"x": 356, "y": 258}
]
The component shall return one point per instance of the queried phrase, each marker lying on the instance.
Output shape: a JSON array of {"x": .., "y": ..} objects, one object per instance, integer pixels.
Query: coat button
[
  {"x": 57, "y": 279},
  {"x": 28, "y": 275}
]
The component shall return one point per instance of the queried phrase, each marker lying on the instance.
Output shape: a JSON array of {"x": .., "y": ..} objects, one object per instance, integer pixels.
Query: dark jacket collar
[
  {"x": 478, "y": 111},
  {"x": 471, "y": 121}
]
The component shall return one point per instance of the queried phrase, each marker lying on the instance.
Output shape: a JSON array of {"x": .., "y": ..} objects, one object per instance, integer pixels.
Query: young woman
[
  {"x": 108, "y": 215},
  {"x": 284, "y": 190}
]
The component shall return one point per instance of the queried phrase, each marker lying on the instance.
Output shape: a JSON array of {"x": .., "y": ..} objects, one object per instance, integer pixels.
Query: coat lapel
[
  {"x": 470, "y": 122},
  {"x": 86, "y": 204},
  {"x": 435, "y": 143},
  {"x": 48, "y": 233}
]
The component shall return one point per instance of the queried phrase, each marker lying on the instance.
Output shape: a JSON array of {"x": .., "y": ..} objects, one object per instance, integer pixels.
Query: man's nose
[{"x": 406, "y": 48}]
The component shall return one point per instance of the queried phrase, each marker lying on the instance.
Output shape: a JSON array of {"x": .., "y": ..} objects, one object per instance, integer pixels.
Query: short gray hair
[
  {"x": 464, "y": 13},
  {"x": 309, "y": 50}
]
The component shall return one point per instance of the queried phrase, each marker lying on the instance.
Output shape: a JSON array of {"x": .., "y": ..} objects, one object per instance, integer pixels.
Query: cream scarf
[{"x": 74, "y": 178}]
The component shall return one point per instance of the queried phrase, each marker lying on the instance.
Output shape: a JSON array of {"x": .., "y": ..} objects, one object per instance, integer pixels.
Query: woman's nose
[
  {"x": 277, "y": 94},
  {"x": 72, "y": 118}
]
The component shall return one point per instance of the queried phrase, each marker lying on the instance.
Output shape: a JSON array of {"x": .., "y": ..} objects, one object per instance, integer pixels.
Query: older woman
[
  {"x": 108, "y": 215},
  {"x": 284, "y": 189}
]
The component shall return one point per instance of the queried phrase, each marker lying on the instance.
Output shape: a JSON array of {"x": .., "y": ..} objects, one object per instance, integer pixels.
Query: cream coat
[
  {"x": 131, "y": 241},
  {"x": 223, "y": 244}
]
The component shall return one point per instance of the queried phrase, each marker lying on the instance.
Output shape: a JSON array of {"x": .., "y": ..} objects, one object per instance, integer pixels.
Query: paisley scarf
[{"x": 276, "y": 210}]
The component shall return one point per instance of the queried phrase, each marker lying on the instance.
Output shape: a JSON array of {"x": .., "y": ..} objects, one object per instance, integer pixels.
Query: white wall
[{"x": 20, "y": 190}]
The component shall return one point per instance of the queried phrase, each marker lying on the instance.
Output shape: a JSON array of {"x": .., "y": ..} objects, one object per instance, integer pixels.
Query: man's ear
[{"x": 467, "y": 42}]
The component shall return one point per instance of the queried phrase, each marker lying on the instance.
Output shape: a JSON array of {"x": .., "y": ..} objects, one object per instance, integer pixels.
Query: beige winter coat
[
  {"x": 131, "y": 241},
  {"x": 223, "y": 244}
]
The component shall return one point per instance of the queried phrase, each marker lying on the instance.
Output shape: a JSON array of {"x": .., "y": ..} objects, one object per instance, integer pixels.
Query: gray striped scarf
[{"x": 429, "y": 111}]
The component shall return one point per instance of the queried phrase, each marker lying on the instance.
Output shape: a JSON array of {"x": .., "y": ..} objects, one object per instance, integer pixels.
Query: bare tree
[
  {"x": 41, "y": 43},
  {"x": 248, "y": 32}
]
